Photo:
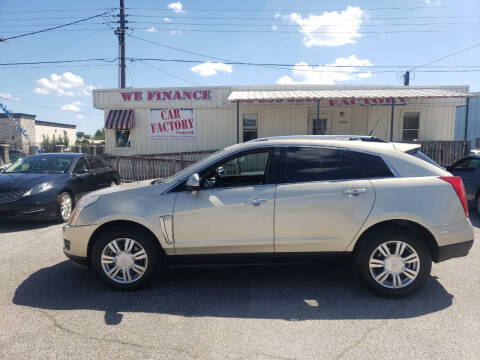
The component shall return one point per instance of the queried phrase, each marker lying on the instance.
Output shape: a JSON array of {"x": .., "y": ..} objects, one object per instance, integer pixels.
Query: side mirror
[{"x": 193, "y": 182}]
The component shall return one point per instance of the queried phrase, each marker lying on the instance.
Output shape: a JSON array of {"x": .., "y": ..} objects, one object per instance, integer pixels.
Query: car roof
[{"x": 72, "y": 155}]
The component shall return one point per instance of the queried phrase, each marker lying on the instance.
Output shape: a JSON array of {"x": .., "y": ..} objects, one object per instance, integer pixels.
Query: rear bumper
[{"x": 453, "y": 251}]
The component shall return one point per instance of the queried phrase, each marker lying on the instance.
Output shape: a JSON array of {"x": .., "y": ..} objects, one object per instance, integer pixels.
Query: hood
[
  {"x": 14, "y": 181},
  {"x": 125, "y": 187}
]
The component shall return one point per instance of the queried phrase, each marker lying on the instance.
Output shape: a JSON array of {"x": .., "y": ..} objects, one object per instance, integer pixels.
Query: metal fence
[
  {"x": 137, "y": 168},
  {"x": 446, "y": 153}
]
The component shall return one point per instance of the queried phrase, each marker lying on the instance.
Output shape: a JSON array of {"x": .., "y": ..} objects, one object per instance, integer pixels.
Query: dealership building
[{"x": 170, "y": 120}]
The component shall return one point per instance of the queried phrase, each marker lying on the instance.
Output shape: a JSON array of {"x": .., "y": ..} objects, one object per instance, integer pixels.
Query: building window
[
  {"x": 122, "y": 138},
  {"x": 319, "y": 127},
  {"x": 250, "y": 126},
  {"x": 411, "y": 125}
]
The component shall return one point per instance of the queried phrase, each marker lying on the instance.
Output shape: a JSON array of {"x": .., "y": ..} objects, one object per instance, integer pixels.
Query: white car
[{"x": 385, "y": 205}]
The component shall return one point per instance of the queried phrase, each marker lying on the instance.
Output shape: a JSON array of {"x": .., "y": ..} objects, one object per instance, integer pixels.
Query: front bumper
[
  {"x": 77, "y": 238},
  {"x": 453, "y": 251},
  {"x": 77, "y": 260},
  {"x": 28, "y": 208}
]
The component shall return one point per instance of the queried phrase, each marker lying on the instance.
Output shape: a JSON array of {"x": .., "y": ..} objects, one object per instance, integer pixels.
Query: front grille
[{"x": 10, "y": 196}]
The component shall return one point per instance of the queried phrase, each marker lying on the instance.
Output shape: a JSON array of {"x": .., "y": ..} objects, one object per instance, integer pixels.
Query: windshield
[
  {"x": 41, "y": 165},
  {"x": 190, "y": 169}
]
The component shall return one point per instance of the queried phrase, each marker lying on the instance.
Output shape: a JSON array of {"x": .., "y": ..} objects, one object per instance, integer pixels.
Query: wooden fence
[
  {"x": 445, "y": 153},
  {"x": 137, "y": 168}
]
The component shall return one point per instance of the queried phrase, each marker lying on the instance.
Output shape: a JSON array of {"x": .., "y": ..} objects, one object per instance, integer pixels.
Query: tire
[
  {"x": 410, "y": 275},
  {"x": 127, "y": 277},
  {"x": 64, "y": 206}
]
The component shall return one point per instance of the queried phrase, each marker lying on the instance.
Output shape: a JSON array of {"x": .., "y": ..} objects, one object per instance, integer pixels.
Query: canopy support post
[
  {"x": 318, "y": 110},
  {"x": 465, "y": 137},
  {"x": 238, "y": 121},
  {"x": 391, "y": 119}
]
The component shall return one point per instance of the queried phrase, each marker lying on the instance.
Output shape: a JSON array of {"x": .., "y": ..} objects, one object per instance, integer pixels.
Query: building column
[
  {"x": 238, "y": 121},
  {"x": 4, "y": 153},
  {"x": 392, "y": 119}
]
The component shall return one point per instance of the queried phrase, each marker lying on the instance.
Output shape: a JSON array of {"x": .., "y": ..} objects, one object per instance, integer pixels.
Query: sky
[{"x": 314, "y": 42}]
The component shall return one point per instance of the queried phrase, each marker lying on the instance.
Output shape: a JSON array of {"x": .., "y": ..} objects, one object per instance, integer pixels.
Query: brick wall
[{"x": 11, "y": 136}]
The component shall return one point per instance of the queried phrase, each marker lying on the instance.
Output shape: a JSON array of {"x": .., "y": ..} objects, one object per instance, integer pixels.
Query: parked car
[
  {"x": 281, "y": 199},
  {"x": 469, "y": 170},
  {"x": 14, "y": 155},
  {"x": 48, "y": 185}
]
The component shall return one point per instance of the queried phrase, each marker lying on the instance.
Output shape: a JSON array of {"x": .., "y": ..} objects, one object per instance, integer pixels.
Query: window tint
[
  {"x": 418, "y": 154},
  {"x": 243, "y": 170},
  {"x": 468, "y": 164},
  {"x": 81, "y": 166},
  {"x": 373, "y": 165},
  {"x": 319, "y": 164},
  {"x": 95, "y": 163}
]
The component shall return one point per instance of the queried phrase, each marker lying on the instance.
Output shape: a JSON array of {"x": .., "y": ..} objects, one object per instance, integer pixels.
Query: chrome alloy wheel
[
  {"x": 65, "y": 206},
  {"x": 124, "y": 260},
  {"x": 394, "y": 264}
]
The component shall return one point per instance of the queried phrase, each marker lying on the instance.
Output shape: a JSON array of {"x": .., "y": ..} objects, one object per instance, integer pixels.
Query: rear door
[
  {"x": 322, "y": 199},
  {"x": 100, "y": 172}
]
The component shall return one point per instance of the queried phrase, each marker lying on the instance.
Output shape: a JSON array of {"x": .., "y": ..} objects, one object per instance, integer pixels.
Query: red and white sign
[
  {"x": 167, "y": 95},
  {"x": 172, "y": 124}
]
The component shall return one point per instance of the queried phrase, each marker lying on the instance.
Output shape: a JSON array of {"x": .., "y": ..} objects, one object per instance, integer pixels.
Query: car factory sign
[{"x": 172, "y": 124}]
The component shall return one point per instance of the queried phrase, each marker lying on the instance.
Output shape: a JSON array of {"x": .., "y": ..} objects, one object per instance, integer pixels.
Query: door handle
[
  {"x": 255, "y": 201},
  {"x": 354, "y": 192}
]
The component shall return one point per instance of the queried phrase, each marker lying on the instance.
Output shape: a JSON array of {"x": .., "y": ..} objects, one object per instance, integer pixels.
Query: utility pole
[
  {"x": 120, "y": 31},
  {"x": 406, "y": 78}
]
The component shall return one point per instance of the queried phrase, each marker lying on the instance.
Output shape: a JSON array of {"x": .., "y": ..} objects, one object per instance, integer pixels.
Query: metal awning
[
  {"x": 342, "y": 96},
  {"x": 120, "y": 119}
]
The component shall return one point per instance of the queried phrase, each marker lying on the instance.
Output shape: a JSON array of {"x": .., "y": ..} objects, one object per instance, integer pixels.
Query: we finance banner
[{"x": 172, "y": 124}]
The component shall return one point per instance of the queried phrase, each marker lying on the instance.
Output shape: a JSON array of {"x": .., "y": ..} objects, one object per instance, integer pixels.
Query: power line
[
  {"x": 306, "y": 10},
  {"x": 53, "y": 28},
  {"x": 447, "y": 56},
  {"x": 168, "y": 73},
  {"x": 58, "y": 61}
]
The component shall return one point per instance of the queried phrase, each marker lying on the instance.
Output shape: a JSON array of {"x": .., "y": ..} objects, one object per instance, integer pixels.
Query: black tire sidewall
[
  {"x": 144, "y": 239},
  {"x": 362, "y": 259},
  {"x": 59, "y": 206}
]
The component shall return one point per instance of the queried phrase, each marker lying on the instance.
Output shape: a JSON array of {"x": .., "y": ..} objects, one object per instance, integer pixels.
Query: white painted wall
[{"x": 49, "y": 131}]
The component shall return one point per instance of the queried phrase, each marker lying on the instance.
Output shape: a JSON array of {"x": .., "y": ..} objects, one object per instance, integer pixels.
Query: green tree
[{"x": 99, "y": 134}]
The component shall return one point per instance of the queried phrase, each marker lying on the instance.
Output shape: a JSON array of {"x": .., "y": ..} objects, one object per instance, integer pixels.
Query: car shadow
[
  {"x": 10, "y": 226},
  {"x": 289, "y": 292}
]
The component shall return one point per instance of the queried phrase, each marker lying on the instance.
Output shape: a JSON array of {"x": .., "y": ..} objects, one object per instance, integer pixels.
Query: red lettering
[
  {"x": 190, "y": 122},
  {"x": 127, "y": 96},
  {"x": 167, "y": 95},
  {"x": 153, "y": 127},
  {"x": 176, "y": 113},
  {"x": 206, "y": 95},
  {"x": 150, "y": 95},
  {"x": 178, "y": 95},
  {"x": 178, "y": 125},
  {"x": 187, "y": 95},
  {"x": 184, "y": 124},
  {"x": 138, "y": 96},
  {"x": 158, "y": 95},
  {"x": 197, "y": 94}
]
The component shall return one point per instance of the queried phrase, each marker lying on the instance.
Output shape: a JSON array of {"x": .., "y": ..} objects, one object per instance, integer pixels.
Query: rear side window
[
  {"x": 96, "y": 163},
  {"x": 467, "y": 164},
  {"x": 373, "y": 165},
  {"x": 418, "y": 154},
  {"x": 305, "y": 164}
]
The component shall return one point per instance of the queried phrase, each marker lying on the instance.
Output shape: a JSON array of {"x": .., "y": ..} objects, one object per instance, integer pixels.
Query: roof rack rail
[{"x": 323, "y": 137}]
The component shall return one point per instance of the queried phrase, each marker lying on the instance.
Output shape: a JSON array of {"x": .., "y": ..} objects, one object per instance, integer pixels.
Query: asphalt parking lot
[{"x": 51, "y": 309}]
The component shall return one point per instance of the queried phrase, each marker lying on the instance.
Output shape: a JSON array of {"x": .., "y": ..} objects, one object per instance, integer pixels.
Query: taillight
[{"x": 457, "y": 184}]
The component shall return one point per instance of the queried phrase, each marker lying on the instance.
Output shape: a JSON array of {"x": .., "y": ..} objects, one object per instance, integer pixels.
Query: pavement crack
[{"x": 116, "y": 341}]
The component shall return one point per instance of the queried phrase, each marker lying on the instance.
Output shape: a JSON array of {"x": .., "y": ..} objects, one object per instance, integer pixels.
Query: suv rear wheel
[
  {"x": 125, "y": 259},
  {"x": 393, "y": 263}
]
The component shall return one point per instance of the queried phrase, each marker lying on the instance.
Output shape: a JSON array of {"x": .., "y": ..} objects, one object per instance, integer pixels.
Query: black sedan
[
  {"x": 469, "y": 170},
  {"x": 48, "y": 185}
]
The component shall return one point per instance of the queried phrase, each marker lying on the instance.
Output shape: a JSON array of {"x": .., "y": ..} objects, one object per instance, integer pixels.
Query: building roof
[
  {"x": 55, "y": 124},
  {"x": 365, "y": 94},
  {"x": 19, "y": 115}
]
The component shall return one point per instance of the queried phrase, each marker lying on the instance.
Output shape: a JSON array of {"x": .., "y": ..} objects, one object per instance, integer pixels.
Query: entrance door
[
  {"x": 320, "y": 126},
  {"x": 322, "y": 200},
  {"x": 232, "y": 212}
]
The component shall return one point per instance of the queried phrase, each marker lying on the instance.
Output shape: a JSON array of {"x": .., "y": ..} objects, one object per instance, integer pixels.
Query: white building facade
[{"x": 171, "y": 120}]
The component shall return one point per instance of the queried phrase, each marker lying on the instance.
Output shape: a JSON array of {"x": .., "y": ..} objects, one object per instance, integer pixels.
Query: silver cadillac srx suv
[{"x": 387, "y": 206}]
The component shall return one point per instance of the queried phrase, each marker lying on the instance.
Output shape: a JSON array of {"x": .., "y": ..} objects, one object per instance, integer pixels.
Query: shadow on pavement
[
  {"x": 290, "y": 292},
  {"x": 10, "y": 226}
]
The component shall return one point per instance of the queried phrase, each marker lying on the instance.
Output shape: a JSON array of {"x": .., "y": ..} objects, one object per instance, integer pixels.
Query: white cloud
[
  {"x": 74, "y": 107},
  {"x": 151, "y": 29},
  {"x": 166, "y": 19},
  {"x": 176, "y": 6},
  {"x": 302, "y": 73},
  {"x": 433, "y": 2},
  {"x": 274, "y": 27},
  {"x": 66, "y": 84},
  {"x": 10, "y": 97},
  {"x": 79, "y": 116},
  {"x": 175, "y": 32},
  {"x": 211, "y": 68},
  {"x": 332, "y": 28},
  {"x": 277, "y": 15}
]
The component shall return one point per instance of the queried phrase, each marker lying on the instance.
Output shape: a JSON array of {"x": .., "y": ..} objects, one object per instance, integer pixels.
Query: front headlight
[
  {"x": 82, "y": 204},
  {"x": 38, "y": 189}
]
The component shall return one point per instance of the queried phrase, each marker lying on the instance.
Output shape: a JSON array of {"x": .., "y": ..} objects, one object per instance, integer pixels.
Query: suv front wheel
[
  {"x": 125, "y": 259},
  {"x": 393, "y": 263}
]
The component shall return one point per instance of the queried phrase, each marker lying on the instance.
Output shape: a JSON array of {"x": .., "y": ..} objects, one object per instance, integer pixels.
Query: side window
[
  {"x": 246, "y": 169},
  {"x": 468, "y": 164},
  {"x": 373, "y": 165},
  {"x": 305, "y": 164},
  {"x": 122, "y": 138},
  {"x": 411, "y": 126},
  {"x": 250, "y": 126},
  {"x": 95, "y": 163},
  {"x": 81, "y": 166}
]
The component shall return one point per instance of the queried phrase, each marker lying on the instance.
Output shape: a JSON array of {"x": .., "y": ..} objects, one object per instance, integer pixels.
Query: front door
[
  {"x": 232, "y": 212},
  {"x": 322, "y": 200}
]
